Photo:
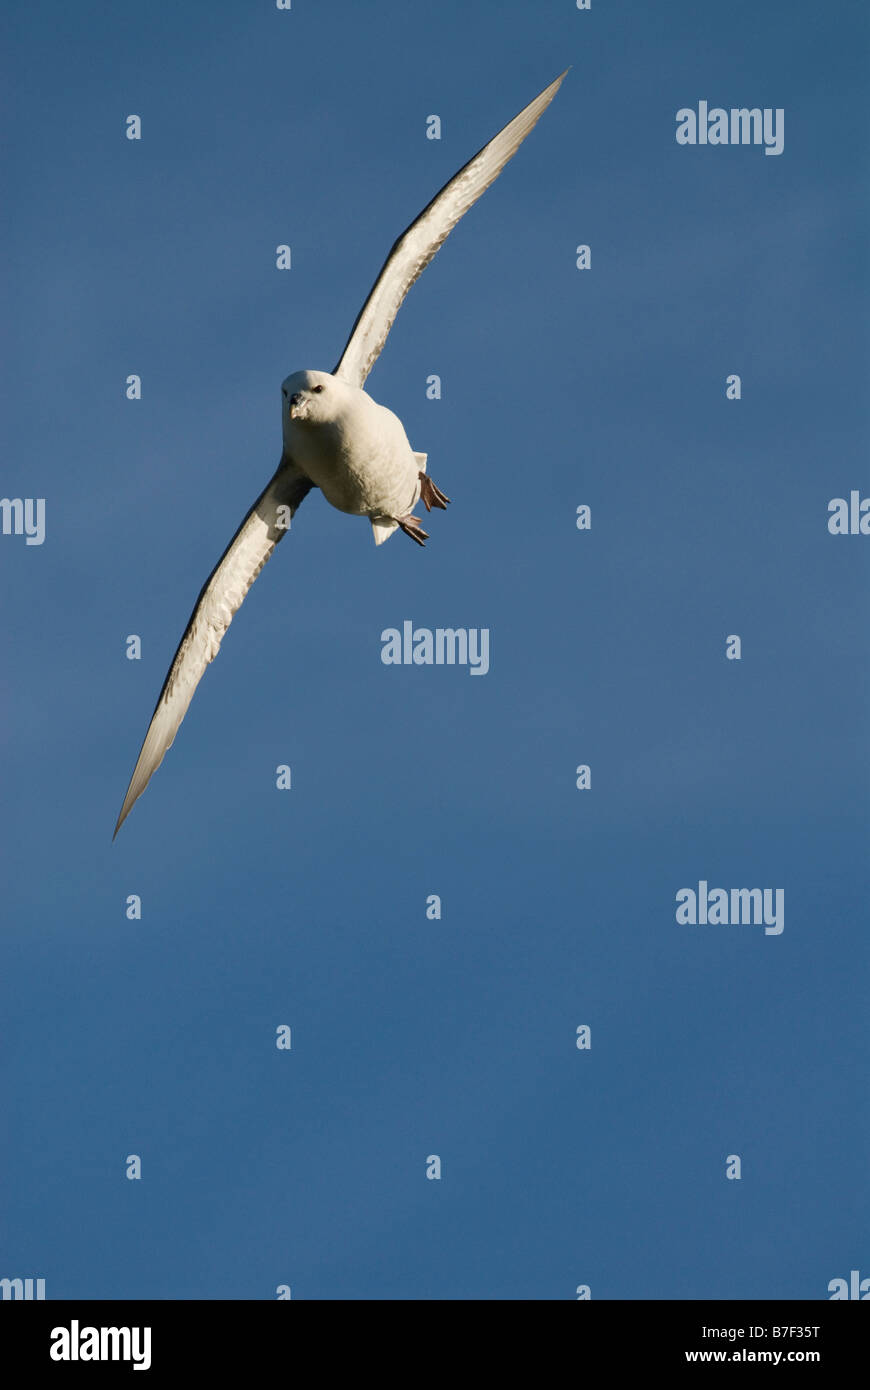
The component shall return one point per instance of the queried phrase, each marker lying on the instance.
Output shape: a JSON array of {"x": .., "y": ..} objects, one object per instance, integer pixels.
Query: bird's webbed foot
[
  {"x": 411, "y": 527},
  {"x": 430, "y": 495}
]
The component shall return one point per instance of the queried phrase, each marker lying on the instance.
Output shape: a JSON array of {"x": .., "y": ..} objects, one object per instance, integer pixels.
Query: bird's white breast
[{"x": 360, "y": 457}]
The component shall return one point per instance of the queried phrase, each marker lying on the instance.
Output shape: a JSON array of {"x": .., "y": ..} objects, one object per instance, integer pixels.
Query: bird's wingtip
[
  {"x": 557, "y": 82},
  {"x": 125, "y": 811}
]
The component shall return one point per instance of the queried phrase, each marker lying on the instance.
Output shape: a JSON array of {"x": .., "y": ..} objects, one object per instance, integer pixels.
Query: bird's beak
[{"x": 296, "y": 401}]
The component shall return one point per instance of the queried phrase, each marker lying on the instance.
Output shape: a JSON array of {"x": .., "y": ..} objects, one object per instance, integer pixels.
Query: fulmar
[{"x": 336, "y": 438}]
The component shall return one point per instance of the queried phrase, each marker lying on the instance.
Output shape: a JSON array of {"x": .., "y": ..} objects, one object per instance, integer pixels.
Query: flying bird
[{"x": 336, "y": 438}]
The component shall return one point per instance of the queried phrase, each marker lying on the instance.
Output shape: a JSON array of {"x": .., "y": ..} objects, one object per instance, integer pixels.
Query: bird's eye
[{"x": 317, "y": 388}]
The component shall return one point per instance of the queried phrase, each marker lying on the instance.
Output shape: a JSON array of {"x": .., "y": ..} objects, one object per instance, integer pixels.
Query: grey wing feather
[
  {"x": 418, "y": 243},
  {"x": 220, "y": 598}
]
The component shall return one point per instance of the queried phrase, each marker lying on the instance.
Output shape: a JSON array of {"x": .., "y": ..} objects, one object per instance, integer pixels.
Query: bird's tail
[{"x": 383, "y": 529}]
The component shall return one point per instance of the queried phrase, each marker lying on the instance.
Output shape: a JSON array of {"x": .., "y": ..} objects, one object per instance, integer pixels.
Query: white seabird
[{"x": 337, "y": 438}]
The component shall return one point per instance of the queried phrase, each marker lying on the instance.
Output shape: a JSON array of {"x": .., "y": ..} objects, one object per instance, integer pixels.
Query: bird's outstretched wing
[
  {"x": 219, "y": 599},
  {"x": 417, "y": 245}
]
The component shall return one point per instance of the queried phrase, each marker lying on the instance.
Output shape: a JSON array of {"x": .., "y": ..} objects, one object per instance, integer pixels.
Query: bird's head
[{"x": 309, "y": 397}]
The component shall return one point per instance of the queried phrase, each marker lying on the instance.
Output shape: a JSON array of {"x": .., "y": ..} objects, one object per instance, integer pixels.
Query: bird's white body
[{"x": 353, "y": 449}]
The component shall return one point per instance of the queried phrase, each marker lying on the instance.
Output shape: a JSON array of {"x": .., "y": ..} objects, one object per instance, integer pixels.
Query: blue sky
[{"x": 307, "y": 907}]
